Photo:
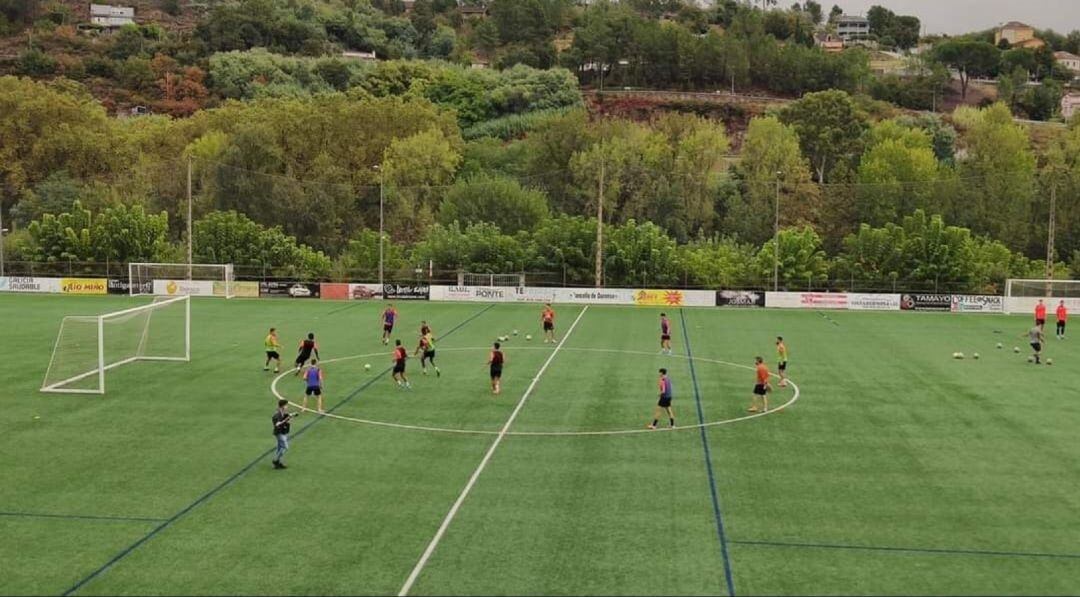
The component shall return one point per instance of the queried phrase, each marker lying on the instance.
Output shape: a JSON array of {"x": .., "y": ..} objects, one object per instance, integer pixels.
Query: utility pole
[
  {"x": 189, "y": 211},
  {"x": 1050, "y": 233},
  {"x": 776, "y": 238},
  {"x": 382, "y": 201},
  {"x": 2, "y": 240},
  {"x": 600, "y": 227}
]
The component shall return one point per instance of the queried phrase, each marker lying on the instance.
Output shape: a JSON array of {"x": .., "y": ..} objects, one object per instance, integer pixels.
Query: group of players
[{"x": 1036, "y": 336}]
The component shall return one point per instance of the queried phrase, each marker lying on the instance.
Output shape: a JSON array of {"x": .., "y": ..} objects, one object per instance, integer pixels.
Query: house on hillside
[
  {"x": 362, "y": 56},
  {"x": 828, "y": 42},
  {"x": 1070, "y": 105},
  {"x": 1068, "y": 60},
  {"x": 471, "y": 10},
  {"x": 1018, "y": 35},
  {"x": 105, "y": 15},
  {"x": 852, "y": 27}
]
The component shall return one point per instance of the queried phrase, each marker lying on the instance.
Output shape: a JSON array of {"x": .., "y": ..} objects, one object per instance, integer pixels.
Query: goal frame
[
  {"x": 228, "y": 275},
  {"x": 1014, "y": 303},
  {"x": 99, "y": 371},
  {"x": 515, "y": 280}
]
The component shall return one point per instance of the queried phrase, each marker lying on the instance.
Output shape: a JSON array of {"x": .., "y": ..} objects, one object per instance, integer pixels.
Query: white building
[
  {"x": 111, "y": 16},
  {"x": 1070, "y": 105},
  {"x": 850, "y": 28},
  {"x": 1068, "y": 60}
]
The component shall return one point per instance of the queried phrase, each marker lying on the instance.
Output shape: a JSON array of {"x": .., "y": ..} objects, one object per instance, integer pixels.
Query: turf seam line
[
  {"x": 930, "y": 550},
  {"x": 434, "y": 543},
  {"x": 81, "y": 517},
  {"x": 206, "y": 496},
  {"x": 717, "y": 511}
]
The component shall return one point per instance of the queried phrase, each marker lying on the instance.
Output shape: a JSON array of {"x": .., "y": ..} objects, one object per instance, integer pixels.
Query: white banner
[
  {"x": 873, "y": 302},
  {"x": 594, "y": 296},
  {"x": 184, "y": 287},
  {"x": 809, "y": 300},
  {"x": 1026, "y": 304},
  {"x": 978, "y": 303},
  {"x": 482, "y": 294},
  {"x": 24, "y": 284}
]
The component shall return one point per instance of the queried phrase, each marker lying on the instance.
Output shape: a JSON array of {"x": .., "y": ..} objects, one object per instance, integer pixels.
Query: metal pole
[
  {"x": 189, "y": 210},
  {"x": 1050, "y": 234},
  {"x": 600, "y": 226},
  {"x": 1, "y": 240},
  {"x": 776, "y": 238},
  {"x": 381, "y": 202}
]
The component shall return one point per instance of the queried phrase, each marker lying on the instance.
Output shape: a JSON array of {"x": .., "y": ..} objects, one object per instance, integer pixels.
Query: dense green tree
[
  {"x": 230, "y": 237},
  {"x": 567, "y": 245},
  {"x": 969, "y": 58},
  {"x": 640, "y": 255},
  {"x": 829, "y": 125},
  {"x": 479, "y": 248},
  {"x": 117, "y": 234},
  {"x": 801, "y": 259},
  {"x": 897, "y": 174},
  {"x": 496, "y": 199}
]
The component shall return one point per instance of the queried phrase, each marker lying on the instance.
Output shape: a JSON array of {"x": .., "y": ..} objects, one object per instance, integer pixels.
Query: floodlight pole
[
  {"x": 382, "y": 197},
  {"x": 1050, "y": 234},
  {"x": 600, "y": 227},
  {"x": 776, "y": 237},
  {"x": 189, "y": 211},
  {"x": 1, "y": 241}
]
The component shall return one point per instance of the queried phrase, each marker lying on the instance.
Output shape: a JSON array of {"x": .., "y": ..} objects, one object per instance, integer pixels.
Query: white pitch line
[{"x": 483, "y": 464}]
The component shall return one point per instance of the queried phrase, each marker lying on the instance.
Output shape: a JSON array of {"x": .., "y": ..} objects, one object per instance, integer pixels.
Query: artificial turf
[{"x": 898, "y": 470}]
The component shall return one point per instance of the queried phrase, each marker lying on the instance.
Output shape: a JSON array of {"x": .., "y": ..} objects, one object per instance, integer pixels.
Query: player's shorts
[
  {"x": 303, "y": 358},
  {"x": 273, "y": 354},
  {"x": 1040, "y": 321},
  {"x": 665, "y": 337},
  {"x": 313, "y": 390},
  {"x": 665, "y": 401},
  {"x": 759, "y": 389},
  {"x": 782, "y": 366},
  {"x": 399, "y": 367},
  {"x": 429, "y": 355},
  {"x": 388, "y": 328},
  {"x": 1061, "y": 326},
  {"x": 496, "y": 371},
  {"x": 549, "y": 326},
  {"x": 1036, "y": 346}
]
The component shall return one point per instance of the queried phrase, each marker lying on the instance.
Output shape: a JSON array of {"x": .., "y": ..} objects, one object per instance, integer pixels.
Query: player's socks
[
  {"x": 437, "y": 372},
  {"x": 672, "y": 422},
  {"x": 266, "y": 368}
]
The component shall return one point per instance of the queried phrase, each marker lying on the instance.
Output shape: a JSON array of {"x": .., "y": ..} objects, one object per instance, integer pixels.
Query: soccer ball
[
  {"x": 959, "y": 355},
  {"x": 515, "y": 332},
  {"x": 975, "y": 356},
  {"x": 999, "y": 344},
  {"x": 528, "y": 336},
  {"x": 955, "y": 355},
  {"x": 1049, "y": 361},
  {"x": 1016, "y": 349},
  {"x": 367, "y": 366},
  {"x": 1031, "y": 359}
]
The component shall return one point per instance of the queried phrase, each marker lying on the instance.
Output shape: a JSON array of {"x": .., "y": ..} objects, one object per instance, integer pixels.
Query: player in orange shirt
[
  {"x": 547, "y": 317},
  {"x": 761, "y": 388},
  {"x": 1040, "y": 314},
  {"x": 1062, "y": 316}
]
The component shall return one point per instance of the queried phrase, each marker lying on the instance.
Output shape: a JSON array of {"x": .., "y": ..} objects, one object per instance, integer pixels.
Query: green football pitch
[{"x": 895, "y": 470}]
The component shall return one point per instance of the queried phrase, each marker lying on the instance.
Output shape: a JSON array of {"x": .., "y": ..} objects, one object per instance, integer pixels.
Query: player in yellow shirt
[
  {"x": 271, "y": 344},
  {"x": 781, "y": 360}
]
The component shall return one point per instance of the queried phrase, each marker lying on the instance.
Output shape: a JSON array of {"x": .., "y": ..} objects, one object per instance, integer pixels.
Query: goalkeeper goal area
[
  {"x": 90, "y": 345},
  {"x": 491, "y": 280},
  {"x": 1021, "y": 296},
  {"x": 175, "y": 279}
]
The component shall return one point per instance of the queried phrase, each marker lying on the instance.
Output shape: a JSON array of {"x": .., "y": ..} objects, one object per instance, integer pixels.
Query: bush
[{"x": 36, "y": 63}]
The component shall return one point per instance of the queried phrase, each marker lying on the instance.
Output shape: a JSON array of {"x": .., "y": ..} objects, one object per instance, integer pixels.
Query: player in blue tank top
[{"x": 313, "y": 377}]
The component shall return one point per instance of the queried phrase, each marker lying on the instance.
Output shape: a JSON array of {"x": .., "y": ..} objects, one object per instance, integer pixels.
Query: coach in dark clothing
[{"x": 281, "y": 420}]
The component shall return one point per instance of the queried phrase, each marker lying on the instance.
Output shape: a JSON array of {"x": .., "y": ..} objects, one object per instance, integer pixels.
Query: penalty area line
[{"x": 424, "y": 557}]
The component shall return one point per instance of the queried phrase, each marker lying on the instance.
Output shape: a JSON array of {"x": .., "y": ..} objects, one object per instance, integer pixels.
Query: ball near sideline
[
  {"x": 1016, "y": 349},
  {"x": 1048, "y": 362},
  {"x": 528, "y": 336},
  {"x": 999, "y": 344},
  {"x": 367, "y": 366},
  {"x": 515, "y": 332},
  {"x": 975, "y": 356}
]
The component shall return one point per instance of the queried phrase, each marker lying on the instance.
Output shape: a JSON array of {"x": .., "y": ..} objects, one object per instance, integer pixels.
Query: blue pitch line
[
  {"x": 80, "y": 517},
  {"x": 235, "y": 476},
  {"x": 721, "y": 534},
  {"x": 931, "y": 550}
]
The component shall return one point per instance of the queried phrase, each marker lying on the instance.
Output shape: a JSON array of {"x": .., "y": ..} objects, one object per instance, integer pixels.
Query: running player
[
  {"x": 664, "y": 405},
  {"x": 547, "y": 316},
  {"x": 307, "y": 346},
  {"x": 1062, "y": 316},
  {"x": 388, "y": 318},
  {"x": 425, "y": 329},
  {"x": 313, "y": 375},
  {"x": 270, "y": 343},
  {"x": 665, "y": 334},
  {"x": 1040, "y": 314},
  {"x": 400, "y": 354},
  {"x": 427, "y": 348},
  {"x": 781, "y": 360},
  {"x": 496, "y": 360},
  {"x": 1036, "y": 338},
  {"x": 761, "y": 388}
]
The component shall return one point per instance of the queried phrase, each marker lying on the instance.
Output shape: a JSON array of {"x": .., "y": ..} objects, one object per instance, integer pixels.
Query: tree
[
  {"x": 801, "y": 259},
  {"x": 814, "y": 10},
  {"x": 496, "y": 199},
  {"x": 361, "y": 256},
  {"x": 835, "y": 12},
  {"x": 719, "y": 263},
  {"x": 896, "y": 174},
  {"x": 117, "y": 234},
  {"x": 230, "y": 237},
  {"x": 413, "y": 169},
  {"x": 480, "y": 248},
  {"x": 567, "y": 244},
  {"x": 829, "y": 126},
  {"x": 969, "y": 58},
  {"x": 640, "y": 255}
]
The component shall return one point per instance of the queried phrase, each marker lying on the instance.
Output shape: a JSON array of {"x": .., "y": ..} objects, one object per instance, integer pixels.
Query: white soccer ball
[
  {"x": 1016, "y": 349},
  {"x": 999, "y": 344},
  {"x": 955, "y": 355},
  {"x": 959, "y": 355},
  {"x": 975, "y": 356},
  {"x": 515, "y": 332},
  {"x": 528, "y": 336},
  {"x": 1049, "y": 361},
  {"x": 367, "y": 366},
  {"x": 1031, "y": 359}
]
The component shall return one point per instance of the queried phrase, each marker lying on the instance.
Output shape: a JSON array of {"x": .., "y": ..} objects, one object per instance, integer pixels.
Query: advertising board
[
  {"x": 27, "y": 284},
  {"x": 288, "y": 290},
  {"x": 740, "y": 298},
  {"x": 406, "y": 292},
  {"x": 123, "y": 286},
  {"x": 926, "y": 302},
  {"x": 807, "y": 300},
  {"x": 873, "y": 302},
  {"x": 184, "y": 287},
  {"x": 979, "y": 303},
  {"x": 84, "y": 286}
]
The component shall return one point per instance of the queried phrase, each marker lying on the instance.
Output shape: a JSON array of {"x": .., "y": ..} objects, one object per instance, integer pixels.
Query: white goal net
[
  {"x": 179, "y": 279},
  {"x": 1021, "y": 296},
  {"x": 89, "y": 345},
  {"x": 492, "y": 280}
]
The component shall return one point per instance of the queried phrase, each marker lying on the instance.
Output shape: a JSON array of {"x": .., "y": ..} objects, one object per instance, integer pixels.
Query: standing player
[
  {"x": 307, "y": 346},
  {"x": 781, "y": 360},
  {"x": 388, "y": 318},
  {"x": 270, "y": 343},
  {"x": 495, "y": 361},
  {"x": 1036, "y": 338},
  {"x": 313, "y": 375},
  {"x": 547, "y": 317},
  {"x": 427, "y": 348},
  {"x": 400, "y": 354},
  {"x": 664, "y": 405},
  {"x": 1062, "y": 316},
  {"x": 281, "y": 419},
  {"x": 761, "y": 388},
  {"x": 1040, "y": 314},
  {"x": 665, "y": 334}
]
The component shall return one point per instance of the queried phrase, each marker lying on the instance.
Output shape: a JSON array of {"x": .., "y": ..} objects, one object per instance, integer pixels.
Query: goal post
[
  {"x": 177, "y": 279},
  {"x": 1022, "y": 295},
  {"x": 491, "y": 280},
  {"x": 87, "y": 346}
]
